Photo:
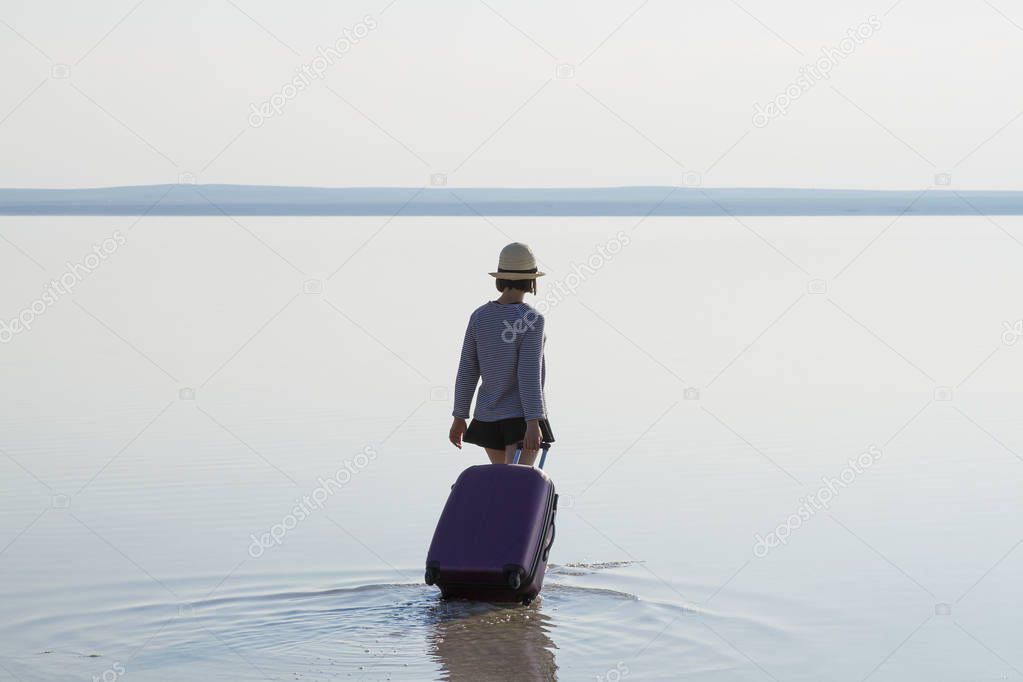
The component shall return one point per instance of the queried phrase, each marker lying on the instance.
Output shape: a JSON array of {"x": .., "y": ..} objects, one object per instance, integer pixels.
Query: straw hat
[{"x": 517, "y": 262}]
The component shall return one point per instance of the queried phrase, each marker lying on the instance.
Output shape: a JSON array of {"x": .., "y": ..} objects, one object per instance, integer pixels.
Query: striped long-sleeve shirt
[{"x": 504, "y": 344}]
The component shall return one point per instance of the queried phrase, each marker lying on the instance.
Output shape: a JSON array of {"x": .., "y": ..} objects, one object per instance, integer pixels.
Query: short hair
[{"x": 527, "y": 285}]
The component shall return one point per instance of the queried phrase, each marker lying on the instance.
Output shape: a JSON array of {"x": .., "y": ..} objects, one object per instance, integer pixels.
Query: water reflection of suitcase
[{"x": 495, "y": 533}]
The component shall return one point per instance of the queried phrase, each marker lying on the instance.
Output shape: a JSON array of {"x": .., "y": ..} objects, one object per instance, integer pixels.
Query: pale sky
[{"x": 658, "y": 92}]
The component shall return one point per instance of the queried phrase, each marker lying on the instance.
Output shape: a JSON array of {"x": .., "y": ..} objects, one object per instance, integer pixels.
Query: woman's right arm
[
  {"x": 531, "y": 379},
  {"x": 531, "y": 370}
]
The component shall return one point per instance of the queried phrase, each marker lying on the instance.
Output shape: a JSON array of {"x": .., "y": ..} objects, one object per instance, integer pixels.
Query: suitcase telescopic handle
[{"x": 545, "y": 446}]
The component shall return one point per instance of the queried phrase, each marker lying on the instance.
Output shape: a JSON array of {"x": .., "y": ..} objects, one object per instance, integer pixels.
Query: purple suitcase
[{"x": 495, "y": 533}]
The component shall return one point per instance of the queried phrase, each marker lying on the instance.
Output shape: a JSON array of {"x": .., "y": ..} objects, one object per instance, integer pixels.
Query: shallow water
[{"x": 194, "y": 389}]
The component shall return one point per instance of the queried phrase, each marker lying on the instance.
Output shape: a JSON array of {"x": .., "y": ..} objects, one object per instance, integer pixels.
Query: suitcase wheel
[
  {"x": 431, "y": 575},
  {"x": 526, "y": 601},
  {"x": 513, "y": 577}
]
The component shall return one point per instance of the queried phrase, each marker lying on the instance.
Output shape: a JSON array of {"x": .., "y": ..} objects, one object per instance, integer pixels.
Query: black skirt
[{"x": 503, "y": 432}]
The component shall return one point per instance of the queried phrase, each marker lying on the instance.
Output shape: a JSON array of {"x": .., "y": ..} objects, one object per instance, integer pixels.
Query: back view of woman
[{"x": 504, "y": 345}]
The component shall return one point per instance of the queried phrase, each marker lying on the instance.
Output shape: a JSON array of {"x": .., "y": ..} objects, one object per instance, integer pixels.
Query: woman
[{"x": 504, "y": 345}]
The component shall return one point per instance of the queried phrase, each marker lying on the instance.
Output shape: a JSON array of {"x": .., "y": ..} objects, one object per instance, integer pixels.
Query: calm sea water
[{"x": 709, "y": 382}]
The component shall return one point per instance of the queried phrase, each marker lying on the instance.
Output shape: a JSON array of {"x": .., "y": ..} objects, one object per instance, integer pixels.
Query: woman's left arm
[{"x": 465, "y": 385}]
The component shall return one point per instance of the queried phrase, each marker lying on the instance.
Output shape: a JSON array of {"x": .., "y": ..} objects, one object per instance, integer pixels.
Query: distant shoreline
[{"x": 254, "y": 200}]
